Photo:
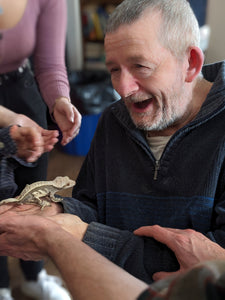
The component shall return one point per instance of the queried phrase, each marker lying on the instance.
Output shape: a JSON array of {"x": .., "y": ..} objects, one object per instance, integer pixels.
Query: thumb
[
  {"x": 161, "y": 275},
  {"x": 70, "y": 114}
]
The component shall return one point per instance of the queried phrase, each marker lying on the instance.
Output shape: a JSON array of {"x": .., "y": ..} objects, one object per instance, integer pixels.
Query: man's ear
[{"x": 195, "y": 62}]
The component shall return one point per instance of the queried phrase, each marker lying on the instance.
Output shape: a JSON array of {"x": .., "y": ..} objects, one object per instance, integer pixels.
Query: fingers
[
  {"x": 155, "y": 229},
  {"x": 68, "y": 136},
  {"x": 73, "y": 115},
  {"x": 25, "y": 136},
  {"x": 162, "y": 234},
  {"x": 12, "y": 245},
  {"x": 32, "y": 143},
  {"x": 74, "y": 128},
  {"x": 28, "y": 142},
  {"x": 50, "y": 138},
  {"x": 162, "y": 275},
  {"x": 173, "y": 238},
  {"x": 68, "y": 119},
  {"x": 31, "y": 157},
  {"x": 157, "y": 232},
  {"x": 50, "y": 134}
]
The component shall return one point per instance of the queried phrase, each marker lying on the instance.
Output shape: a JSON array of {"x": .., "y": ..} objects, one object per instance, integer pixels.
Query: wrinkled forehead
[
  {"x": 133, "y": 39},
  {"x": 146, "y": 27}
]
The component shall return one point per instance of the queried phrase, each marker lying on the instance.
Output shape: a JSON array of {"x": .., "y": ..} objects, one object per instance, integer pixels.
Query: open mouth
[{"x": 142, "y": 104}]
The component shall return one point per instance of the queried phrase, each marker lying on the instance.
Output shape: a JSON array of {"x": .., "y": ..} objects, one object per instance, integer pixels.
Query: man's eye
[
  {"x": 142, "y": 68},
  {"x": 142, "y": 71},
  {"x": 139, "y": 66},
  {"x": 113, "y": 70}
]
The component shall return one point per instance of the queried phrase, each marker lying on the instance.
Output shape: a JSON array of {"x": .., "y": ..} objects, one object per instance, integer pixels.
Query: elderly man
[{"x": 158, "y": 154}]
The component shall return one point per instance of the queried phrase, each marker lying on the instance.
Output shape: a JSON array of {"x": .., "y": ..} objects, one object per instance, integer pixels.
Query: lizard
[{"x": 42, "y": 192}]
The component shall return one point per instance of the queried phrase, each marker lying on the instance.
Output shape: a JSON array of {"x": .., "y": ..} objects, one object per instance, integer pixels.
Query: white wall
[
  {"x": 216, "y": 20},
  {"x": 74, "y": 36}
]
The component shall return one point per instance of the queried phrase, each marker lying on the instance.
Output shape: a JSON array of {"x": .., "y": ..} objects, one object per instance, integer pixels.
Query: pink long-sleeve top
[{"x": 41, "y": 32}]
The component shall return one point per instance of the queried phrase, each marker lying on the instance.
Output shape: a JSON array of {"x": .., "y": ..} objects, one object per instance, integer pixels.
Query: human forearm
[
  {"x": 119, "y": 246},
  {"x": 49, "y": 58},
  {"x": 7, "y": 117},
  {"x": 88, "y": 274},
  {"x": 139, "y": 256}
]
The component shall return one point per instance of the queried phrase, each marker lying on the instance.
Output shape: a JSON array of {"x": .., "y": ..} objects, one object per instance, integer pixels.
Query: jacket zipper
[{"x": 156, "y": 169}]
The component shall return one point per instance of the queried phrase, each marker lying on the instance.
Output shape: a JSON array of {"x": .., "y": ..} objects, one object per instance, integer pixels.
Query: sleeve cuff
[{"x": 103, "y": 239}]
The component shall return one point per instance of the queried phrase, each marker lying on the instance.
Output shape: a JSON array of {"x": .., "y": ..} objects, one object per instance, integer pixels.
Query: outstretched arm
[{"x": 86, "y": 273}]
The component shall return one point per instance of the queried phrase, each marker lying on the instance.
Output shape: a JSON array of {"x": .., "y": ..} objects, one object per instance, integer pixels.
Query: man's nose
[{"x": 127, "y": 85}]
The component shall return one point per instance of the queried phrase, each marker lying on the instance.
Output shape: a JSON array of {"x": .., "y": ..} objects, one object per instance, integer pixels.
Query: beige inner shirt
[{"x": 157, "y": 144}]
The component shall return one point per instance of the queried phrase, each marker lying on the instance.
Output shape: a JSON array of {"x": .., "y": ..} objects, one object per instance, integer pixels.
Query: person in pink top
[{"x": 37, "y": 29}]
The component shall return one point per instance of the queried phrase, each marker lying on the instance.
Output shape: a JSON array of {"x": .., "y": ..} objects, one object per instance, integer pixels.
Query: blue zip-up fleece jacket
[{"x": 121, "y": 187}]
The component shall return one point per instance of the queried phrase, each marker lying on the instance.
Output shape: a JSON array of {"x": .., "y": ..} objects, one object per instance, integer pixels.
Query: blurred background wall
[{"x": 215, "y": 18}]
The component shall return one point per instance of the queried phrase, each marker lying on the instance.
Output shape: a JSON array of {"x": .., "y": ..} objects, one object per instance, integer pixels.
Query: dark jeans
[
  {"x": 19, "y": 92},
  {"x": 29, "y": 268}
]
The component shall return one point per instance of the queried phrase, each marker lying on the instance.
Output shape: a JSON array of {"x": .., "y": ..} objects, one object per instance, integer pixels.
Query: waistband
[{"x": 14, "y": 74}]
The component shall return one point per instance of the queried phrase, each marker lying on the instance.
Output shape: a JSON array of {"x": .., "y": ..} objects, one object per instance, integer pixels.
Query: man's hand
[
  {"x": 26, "y": 237},
  {"x": 71, "y": 223},
  {"x": 189, "y": 246},
  {"x": 32, "y": 143},
  {"x": 30, "y": 209},
  {"x": 67, "y": 118}
]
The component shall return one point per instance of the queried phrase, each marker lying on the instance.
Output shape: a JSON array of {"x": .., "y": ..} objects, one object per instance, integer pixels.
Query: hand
[
  {"x": 50, "y": 137},
  {"x": 30, "y": 209},
  {"x": 71, "y": 223},
  {"x": 22, "y": 120},
  {"x": 32, "y": 143},
  {"x": 9, "y": 117},
  {"x": 26, "y": 237},
  {"x": 189, "y": 246},
  {"x": 67, "y": 118}
]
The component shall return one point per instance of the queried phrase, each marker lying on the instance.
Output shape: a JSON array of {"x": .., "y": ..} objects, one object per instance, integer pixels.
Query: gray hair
[{"x": 179, "y": 29}]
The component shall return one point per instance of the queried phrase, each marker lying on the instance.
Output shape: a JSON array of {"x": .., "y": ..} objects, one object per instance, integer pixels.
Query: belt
[{"x": 14, "y": 74}]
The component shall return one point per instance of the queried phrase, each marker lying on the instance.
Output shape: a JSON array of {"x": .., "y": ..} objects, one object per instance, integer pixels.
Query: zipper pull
[{"x": 156, "y": 170}]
